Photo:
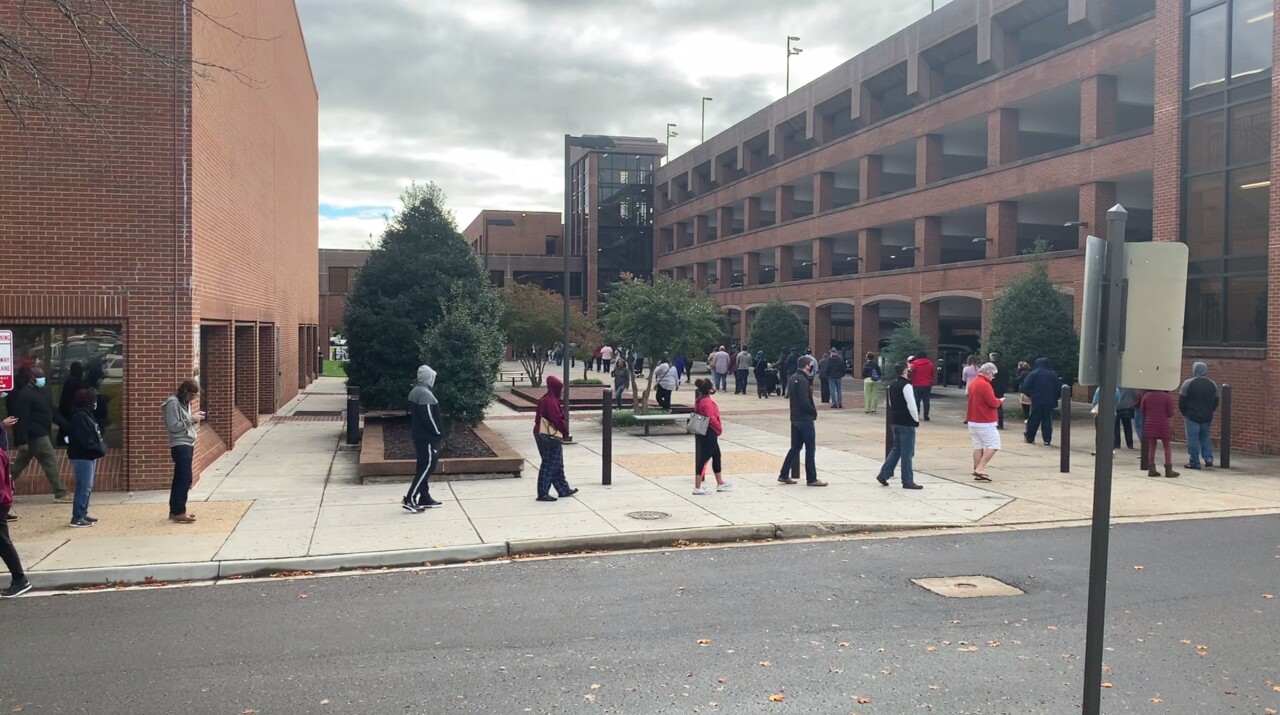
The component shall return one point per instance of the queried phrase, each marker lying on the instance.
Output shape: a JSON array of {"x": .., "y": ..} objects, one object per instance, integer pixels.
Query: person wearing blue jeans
[
  {"x": 85, "y": 447},
  {"x": 1197, "y": 401},
  {"x": 803, "y": 434},
  {"x": 1042, "y": 386},
  {"x": 904, "y": 417},
  {"x": 1199, "y": 443}
]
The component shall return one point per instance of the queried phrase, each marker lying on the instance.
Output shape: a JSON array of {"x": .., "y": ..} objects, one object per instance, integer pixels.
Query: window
[
  {"x": 339, "y": 279},
  {"x": 1229, "y": 42},
  {"x": 551, "y": 245}
]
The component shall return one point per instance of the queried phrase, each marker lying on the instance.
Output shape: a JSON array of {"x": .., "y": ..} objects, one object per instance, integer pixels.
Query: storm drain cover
[
  {"x": 967, "y": 586},
  {"x": 648, "y": 515}
]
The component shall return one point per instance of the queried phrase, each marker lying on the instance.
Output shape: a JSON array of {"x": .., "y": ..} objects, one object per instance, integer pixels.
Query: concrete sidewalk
[{"x": 287, "y": 498}]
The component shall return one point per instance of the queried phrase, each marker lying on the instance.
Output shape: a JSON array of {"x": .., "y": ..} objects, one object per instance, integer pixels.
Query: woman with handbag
[
  {"x": 706, "y": 428},
  {"x": 549, "y": 431},
  {"x": 84, "y": 449}
]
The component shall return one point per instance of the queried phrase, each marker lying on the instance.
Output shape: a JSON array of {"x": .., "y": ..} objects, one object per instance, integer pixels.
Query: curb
[{"x": 641, "y": 539}]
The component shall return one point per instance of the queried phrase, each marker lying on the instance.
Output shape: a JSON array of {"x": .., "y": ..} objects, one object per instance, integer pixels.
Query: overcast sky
[{"x": 477, "y": 95}]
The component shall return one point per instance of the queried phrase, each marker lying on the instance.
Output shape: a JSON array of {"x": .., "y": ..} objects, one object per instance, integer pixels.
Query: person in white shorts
[{"x": 983, "y": 416}]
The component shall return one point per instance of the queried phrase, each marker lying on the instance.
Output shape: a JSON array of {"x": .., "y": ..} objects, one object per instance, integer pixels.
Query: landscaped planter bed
[{"x": 386, "y": 453}]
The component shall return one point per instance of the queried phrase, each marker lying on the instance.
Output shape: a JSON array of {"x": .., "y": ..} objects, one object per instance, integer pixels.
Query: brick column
[
  {"x": 924, "y": 318},
  {"x": 866, "y": 333},
  {"x": 1002, "y": 137},
  {"x": 928, "y": 159},
  {"x": 869, "y": 250},
  {"x": 1095, "y": 200},
  {"x": 751, "y": 215},
  {"x": 247, "y": 368},
  {"x": 724, "y": 221},
  {"x": 782, "y": 261},
  {"x": 870, "y": 173},
  {"x": 700, "y": 229},
  {"x": 268, "y": 367},
  {"x": 824, "y": 187},
  {"x": 1002, "y": 226},
  {"x": 819, "y": 330},
  {"x": 1098, "y": 99},
  {"x": 784, "y": 203},
  {"x": 221, "y": 381},
  {"x": 751, "y": 269},
  {"x": 724, "y": 272},
  {"x": 823, "y": 266},
  {"x": 928, "y": 241},
  {"x": 700, "y": 276}
]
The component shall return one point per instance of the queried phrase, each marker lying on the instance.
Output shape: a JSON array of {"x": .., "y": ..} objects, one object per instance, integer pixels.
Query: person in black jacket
[
  {"x": 1197, "y": 401},
  {"x": 999, "y": 383},
  {"x": 70, "y": 386},
  {"x": 33, "y": 407},
  {"x": 803, "y": 414},
  {"x": 833, "y": 374},
  {"x": 84, "y": 449},
  {"x": 428, "y": 431},
  {"x": 904, "y": 416},
  {"x": 789, "y": 366}
]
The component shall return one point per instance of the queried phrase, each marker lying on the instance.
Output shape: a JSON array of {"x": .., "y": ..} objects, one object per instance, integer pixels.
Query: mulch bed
[{"x": 462, "y": 442}]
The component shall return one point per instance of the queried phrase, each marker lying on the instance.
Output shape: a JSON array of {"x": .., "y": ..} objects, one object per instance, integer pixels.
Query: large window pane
[
  {"x": 1206, "y": 143},
  {"x": 1193, "y": 5},
  {"x": 1249, "y": 211},
  {"x": 1204, "y": 219},
  {"x": 1207, "y": 49},
  {"x": 1246, "y": 310},
  {"x": 1203, "y": 320},
  {"x": 1250, "y": 37},
  {"x": 1250, "y": 133}
]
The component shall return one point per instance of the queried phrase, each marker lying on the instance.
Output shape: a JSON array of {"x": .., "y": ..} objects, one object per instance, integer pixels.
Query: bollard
[
  {"x": 1064, "y": 440},
  {"x": 888, "y": 429},
  {"x": 606, "y": 446},
  {"x": 353, "y": 414},
  {"x": 1225, "y": 456}
]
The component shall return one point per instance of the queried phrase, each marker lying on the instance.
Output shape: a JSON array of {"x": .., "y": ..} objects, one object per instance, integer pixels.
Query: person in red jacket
[
  {"x": 922, "y": 383},
  {"x": 549, "y": 431},
  {"x": 707, "y": 446},
  {"x": 19, "y": 584},
  {"x": 983, "y": 420},
  {"x": 1157, "y": 409}
]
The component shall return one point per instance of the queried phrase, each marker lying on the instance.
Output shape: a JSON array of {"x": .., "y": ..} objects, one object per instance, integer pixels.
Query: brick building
[
  {"x": 177, "y": 237},
  {"x": 338, "y": 268},
  {"x": 523, "y": 247},
  {"x": 906, "y": 183}
]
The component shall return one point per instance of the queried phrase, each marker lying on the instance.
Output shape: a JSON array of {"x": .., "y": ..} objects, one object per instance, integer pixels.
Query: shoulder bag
[{"x": 697, "y": 424}]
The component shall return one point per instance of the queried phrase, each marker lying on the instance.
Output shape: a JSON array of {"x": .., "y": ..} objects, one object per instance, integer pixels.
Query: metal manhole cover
[
  {"x": 648, "y": 515},
  {"x": 967, "y": 586}
]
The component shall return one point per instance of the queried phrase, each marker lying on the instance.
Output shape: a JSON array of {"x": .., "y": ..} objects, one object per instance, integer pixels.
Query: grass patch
[
  {"x": 335, "y": 368},
  {"x": 586, "y": 381},
  {"x": 627, "y": 418}
]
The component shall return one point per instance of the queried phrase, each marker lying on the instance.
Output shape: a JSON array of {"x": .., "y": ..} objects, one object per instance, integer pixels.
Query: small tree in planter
[
  {"x": 465, "y": 348},
  {"x": 775, "y": 330},
  {"x": 904, "y": 342},
  {"x": 1030, "y": 320},
  {"x": 532, "y": 320}
]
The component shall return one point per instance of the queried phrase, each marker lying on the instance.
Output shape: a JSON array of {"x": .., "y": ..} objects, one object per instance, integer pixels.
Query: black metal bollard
[
  {"x": 1064, "y": 442},
  {"x": 606, "y": 446},
  {"x": 353, "y": 414},
  {"x": 1225, "y": 461}
]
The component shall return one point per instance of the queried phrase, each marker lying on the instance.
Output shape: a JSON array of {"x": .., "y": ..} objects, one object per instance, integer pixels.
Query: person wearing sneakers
[
  {"x": 549, "y": 431},
  {"x": 181, "y": 423},
  {"x": 427, "y": 432},
  {"x": 32, "y": 434},
  {"x": 803, "y": 414},
  {"x": 904, "y": 415},
  {"x": 1157, "y": 410},
  {"x": 981, "y": 418},
  {"x": 84, "y": 449},
  {"x": 1197, "y": 401},
  {"x": 18, "y": 584},
  {"x": 707, "y": 446}
]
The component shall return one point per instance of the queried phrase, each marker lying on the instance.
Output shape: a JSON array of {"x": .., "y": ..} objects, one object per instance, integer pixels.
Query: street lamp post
[
  {"x": 791, "y": 51},
  {"x": 485, "y": 239},
  {"x": 670, "y": 134},
  {"x": 587, "y": 142},
  {"x": 704, "y": 118}
]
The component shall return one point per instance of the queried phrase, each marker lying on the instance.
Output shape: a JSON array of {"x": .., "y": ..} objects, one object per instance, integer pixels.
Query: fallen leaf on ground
[
  {"x": 1185, "y": 642},
  {"x": 932, "y": 649},
  {"x": 862, "y": 699},
  {"x": 933, "y": 687},
  {"x": 1268, "y": 596},
  {"x": 325, "y": 701},
  {"x": 589, "y": 697},
  {"x": 704, "y": 641},
  {"x": 1106, "y": 685},
  {"x": 969, "y": 649},
  {"x": 1138, "y": 568},
  {"x": 993, "y": 644},
  {"x": 1202, "y": 647},
  {"x": 303, "y": 596},
  {"x": 777, "y": 698},
  {"x": 1157, "y": 700},
  {"x": 595, "y": 686},
  {"x": 1230, "y": 692},
  {"x": 765, "y": 664}
]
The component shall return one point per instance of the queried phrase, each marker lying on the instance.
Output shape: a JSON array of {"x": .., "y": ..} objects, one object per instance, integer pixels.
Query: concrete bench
[{"x": 650, "y": 420}]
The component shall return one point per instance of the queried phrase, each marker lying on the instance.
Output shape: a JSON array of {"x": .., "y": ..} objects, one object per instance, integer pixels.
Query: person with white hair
[{"x": 983, "y": 419}]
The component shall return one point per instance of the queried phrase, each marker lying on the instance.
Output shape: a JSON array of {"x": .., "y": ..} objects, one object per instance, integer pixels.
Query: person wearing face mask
[
  {"x": 33, "y": 407},
  {"x": 803, "y": 414}
]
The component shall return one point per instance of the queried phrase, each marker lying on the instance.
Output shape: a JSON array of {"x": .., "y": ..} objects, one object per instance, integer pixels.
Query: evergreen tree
[
  {"x": 418, "y": 263},
  {"x": 904, "y": 342},
  {"x": 776, "y": 330},
  {"x": 1029, "y": 319},
  {"x": 465, "y": 347}
]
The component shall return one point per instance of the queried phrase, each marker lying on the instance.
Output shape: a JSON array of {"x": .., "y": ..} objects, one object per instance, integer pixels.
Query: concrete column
[
  {"x": 866, "y": 333},
  {"x": 700, "y": 276},
  {"x": 823, "y": 266},
  {"x": 1002, "y": 226},
  {"x": 869, "y": 250},
  {"x": 697, "y": 184},
  {"x": 824, "y": 189},
  {"x": 1095, "y": 14},
  {"x": 1095, "y": 200},
  {"x": 870, "y": 173},
  {"x": 701, "y": 230},
  {"x": 819, "y": 330},
  {"x": 751, "y": 269},
  {"x": 724, "y": 272},
  {"x": 924, "y": 318},
  {"x": 997, "y": 49},
  {"x": 1002, "y": 137},
  {"x": 724, "y": 221},
  {"x": 928, "y": 241},
  {"x": 928, "y": 159},
  {"x": 751, "y": 215},
  {"x": 1098, "y": 99},
  {"x": 923, "y": 81},
  {"x": 784, "y": 203},
  {"x": 783, "y": 256}
]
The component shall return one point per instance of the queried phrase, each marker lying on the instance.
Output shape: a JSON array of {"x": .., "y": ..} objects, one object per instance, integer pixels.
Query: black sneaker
[
  {"x": 91, "y": 520},
  {"x": 546, "y": 497},
  {"x": 80, "y": 523},
  {"x": 430, "y": 504},
  {"x": 411, "y": 507},
  {"x": 569, "y": 493},
  {"x": 913, "y": 485},
  {"x": 16, "y": 589},
  {"x": 884, "y": 481}
]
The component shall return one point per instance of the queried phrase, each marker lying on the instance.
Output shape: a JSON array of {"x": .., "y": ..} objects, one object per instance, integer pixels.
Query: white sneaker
[
  {"x": 724, "y": 487},
  {"x": 701, "y": 491}
]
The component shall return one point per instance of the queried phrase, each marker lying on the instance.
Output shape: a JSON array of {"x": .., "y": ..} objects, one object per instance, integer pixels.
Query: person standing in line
[
  {"x": 597, "y": 360},
  {"x": 1157, "y": 411},
  {"x": 621, "y": 381},
  {"x": 707, "y": 446},
  {"x": 681, "y": 366},
  {"x": 803, "y": 414},
  {"x": 743, "y": 369},
  {"x": 719, "y": 363},
  {"x": 763, "y": 383},
  {"x": 84, "y": 449},
  {"x": 70, "y": 386},
  {"x": 904, "y": 417},
  {"x": 1024, "y": 400},
  {"x": 638, "y": 361},
  {"x": 428, "y": 432},
  {"x": 834, "y": 375},
  {"x": 1125, "y": 403},
  {"x": 549, "y": 431},
  {"x": 1042, "y": 386},
  {"x": 181, "y": 423},
  {"x": 999, "y": 385},
  {"x": 33, "y": 407},
  {"x": 922, "y": 383},
  {"x": 981, "y": 418},
  {"x": 1197, "y": 401},
  {"x": 606, "y": 358},
  {"x": 821, "y": 374},
  {"x": 18, "y": 583},
  {"x": 664, "y": 375},
  {"x": 871, "y": 384},
  {"x": 969, "y": 372},
  {"x": 789, "y": 365}
]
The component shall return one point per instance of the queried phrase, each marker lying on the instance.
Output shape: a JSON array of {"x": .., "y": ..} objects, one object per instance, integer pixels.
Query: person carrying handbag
[
  {"x": 84, "y": 449},
  {"x": 707, "y": 428},
  {"x": 549, "y": 431}
]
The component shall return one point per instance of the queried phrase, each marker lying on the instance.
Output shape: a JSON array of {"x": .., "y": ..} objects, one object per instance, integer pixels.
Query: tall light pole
[
  {"x": 485, "y": 239},
  {"x": 791, "y": 51},
  {"x": 670, "y": 135},
  {"x": 588, "y": 142},
  {"x": 704, "y": 118}
]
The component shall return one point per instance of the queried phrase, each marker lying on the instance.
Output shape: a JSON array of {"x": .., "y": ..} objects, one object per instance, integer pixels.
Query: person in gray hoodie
[
  {"x": 428, "y": 431},
  {"x": 1197, "y": 401},
  {"x": 181, "y": 423}
]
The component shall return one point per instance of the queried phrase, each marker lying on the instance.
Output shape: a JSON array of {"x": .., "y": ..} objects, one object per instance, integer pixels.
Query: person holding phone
[{"x": 181, "y": 422}]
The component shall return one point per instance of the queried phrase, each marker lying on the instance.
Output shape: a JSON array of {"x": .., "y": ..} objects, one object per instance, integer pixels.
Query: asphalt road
[{"x": 818, "y": 624}]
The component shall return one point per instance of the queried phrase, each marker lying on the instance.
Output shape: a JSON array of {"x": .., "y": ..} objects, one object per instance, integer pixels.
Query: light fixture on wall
[
  {"x": 1076, "y": 224},
  {"x": 983, "y": 239}
]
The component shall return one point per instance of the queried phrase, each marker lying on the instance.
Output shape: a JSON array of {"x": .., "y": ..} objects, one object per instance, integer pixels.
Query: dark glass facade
[
  {"x": 1227, "y": 168},
  {"x": 624, "y": 217}
]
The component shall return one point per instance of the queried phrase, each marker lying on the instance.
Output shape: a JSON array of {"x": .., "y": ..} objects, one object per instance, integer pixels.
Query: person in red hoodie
[
  {"x": 1157, "y": 409},
  {"x": 19, "y": 584},
  {"x": 983, "y": 418},
  {"x": 549, "y": 431},
  {"x": 707, "y": 446},
  {"x": 922, "y": 383}
]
